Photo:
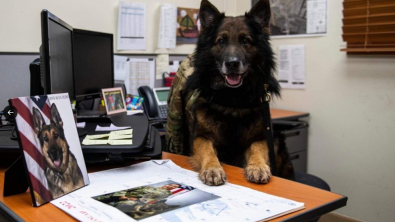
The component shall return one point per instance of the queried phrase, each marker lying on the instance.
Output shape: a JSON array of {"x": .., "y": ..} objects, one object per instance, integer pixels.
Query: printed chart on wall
[
  {"x": 298, "y": 18},
  {"x": 131, "y": 26},
  {"x": 142, "y": 73},
  {"x": 291, "y": 66}
]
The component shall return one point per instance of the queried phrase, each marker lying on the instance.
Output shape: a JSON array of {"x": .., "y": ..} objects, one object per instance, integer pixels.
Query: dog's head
[
  {"x": 53, "y": 143},
  {"x": 234, "y": 52}
]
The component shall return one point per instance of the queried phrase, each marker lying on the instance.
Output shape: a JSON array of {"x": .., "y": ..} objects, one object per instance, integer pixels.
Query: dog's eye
[
  {"x": 55, "y": 135},
  {"x": 245, "y": 41},
  {"x": 45, "y": 139},
  {"x": 221, "y": 41}
]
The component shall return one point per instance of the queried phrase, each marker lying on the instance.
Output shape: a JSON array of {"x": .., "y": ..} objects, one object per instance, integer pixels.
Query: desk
[
  {"x": 279, "y": 114},
  {"x": 317, "y": 201}
]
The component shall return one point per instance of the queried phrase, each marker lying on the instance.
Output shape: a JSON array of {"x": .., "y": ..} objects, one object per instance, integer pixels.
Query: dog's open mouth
[
  {"x": 56, "y": 157},
  {"x": 234, "y": 80}
]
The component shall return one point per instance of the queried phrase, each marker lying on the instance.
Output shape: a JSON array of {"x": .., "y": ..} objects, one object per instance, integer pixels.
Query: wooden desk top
[
  {"x": 280, "y": 114},
  {"x": 317, "y": 201}
]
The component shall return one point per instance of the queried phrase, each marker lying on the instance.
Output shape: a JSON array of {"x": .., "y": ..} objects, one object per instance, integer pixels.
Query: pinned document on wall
[
  {"x": 131, "y": 26},
  {"x": 121, "y": 69},
  {"x": 291, "y": 66},
  {"x": 162, "y": 65},
  {"x": 167, "y": 26},
  {"x": 142, "y": 73}
]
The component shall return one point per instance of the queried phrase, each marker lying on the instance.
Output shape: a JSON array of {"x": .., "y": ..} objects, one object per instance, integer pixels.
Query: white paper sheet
[
  {"x": 162, "y": 65},
  {"x": 237, "y": 203},
  {"x": 316, "y": 16},
  {"x": 131, "y": 26},
  {"x": 121, "y": 69},
  {"x": 291, "y": 66},
  {"x": 167, "y": 26},
  {"x": 112, "y": 127},
  {"x": 142, "y": 73}
]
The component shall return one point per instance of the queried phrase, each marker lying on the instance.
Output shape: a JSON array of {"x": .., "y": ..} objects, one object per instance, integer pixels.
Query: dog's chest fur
[{"x": 232, "y": 130}]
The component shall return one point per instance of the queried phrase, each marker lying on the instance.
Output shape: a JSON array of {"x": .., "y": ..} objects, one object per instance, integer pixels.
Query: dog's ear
[
  {"x": 55, "y": 116},
  {"x": 208, "y": 13},
  {"x": 38, "y": 120},
  {"x": 261, "y": 13}
]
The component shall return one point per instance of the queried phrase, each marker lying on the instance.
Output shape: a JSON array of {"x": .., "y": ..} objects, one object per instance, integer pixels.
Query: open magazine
[{"x": 159, "y": 190}]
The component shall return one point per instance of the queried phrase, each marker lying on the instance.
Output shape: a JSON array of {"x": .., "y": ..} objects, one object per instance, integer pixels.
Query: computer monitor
[
  {"x": 56, "y": 55},
  {"x": 93, "y": 63}
]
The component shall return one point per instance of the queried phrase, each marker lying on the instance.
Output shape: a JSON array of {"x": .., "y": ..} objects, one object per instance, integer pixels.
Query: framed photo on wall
[{"x": 114, "y": 100}]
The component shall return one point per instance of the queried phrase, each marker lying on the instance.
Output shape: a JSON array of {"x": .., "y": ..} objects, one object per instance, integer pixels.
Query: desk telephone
[{"x": 155, "y": 102}]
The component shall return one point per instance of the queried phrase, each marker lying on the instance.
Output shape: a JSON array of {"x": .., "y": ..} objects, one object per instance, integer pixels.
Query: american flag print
[
  {"x": 180, "y": 190},
  {"x": 31, "y": 145}
]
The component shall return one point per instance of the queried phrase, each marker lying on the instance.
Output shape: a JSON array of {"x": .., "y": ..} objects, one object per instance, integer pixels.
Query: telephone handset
[{"x": 155, "y": 101}]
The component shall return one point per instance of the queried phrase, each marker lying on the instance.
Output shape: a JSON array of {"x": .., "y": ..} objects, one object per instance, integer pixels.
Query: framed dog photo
[
  {"x": 114, "y": 100},
  {"x": 51, "y": 148}
]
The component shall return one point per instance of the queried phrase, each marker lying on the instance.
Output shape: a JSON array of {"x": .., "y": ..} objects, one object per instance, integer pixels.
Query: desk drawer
[
  {"x": 299, "y": 161},
  {"x": 295, "y": 139}
]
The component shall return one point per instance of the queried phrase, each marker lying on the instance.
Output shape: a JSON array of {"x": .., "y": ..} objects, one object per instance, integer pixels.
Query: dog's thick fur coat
[{"x": 232, "y": 62}]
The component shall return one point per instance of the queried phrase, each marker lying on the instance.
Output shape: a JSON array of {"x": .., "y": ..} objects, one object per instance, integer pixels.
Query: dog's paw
[
  {"x": 213, "y": 176},
  {"x": 258, "y": 173}
]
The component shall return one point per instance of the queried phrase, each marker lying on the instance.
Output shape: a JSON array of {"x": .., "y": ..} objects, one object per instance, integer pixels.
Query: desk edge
[
  {"x": 8, "y": 213},
  {"x": 319, "y": 211}
]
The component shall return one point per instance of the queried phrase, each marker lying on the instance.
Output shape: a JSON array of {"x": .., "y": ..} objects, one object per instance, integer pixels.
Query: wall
[
  {"x": 351, "y": 101},
  {"x": 20, "y": 21}
]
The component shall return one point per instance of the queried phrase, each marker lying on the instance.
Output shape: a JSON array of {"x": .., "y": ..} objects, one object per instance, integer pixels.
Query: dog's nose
[{"x": 232, "y": 64}]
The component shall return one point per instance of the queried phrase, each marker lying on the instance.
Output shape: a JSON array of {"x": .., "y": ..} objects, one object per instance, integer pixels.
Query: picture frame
[
  {"x": 53, "y": 165},
  {"x": 114, "y": 100}
]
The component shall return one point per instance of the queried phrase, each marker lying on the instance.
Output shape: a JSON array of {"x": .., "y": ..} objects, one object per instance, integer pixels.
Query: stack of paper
[
  {"x": 120, "y": 137},
  {"x": 109, "y": 197}
]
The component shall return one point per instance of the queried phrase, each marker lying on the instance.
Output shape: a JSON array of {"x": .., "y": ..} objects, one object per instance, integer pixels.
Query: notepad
[{"x": 120, "y": 137}]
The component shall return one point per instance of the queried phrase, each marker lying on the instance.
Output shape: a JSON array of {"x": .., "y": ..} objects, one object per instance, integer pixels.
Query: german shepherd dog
[
  {"x": 233, "y": 60},
  {"x": 62, "y": 171}
]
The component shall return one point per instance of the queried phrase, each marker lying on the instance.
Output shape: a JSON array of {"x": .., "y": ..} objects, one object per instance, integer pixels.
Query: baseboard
[{"x": 331, "y": 217}]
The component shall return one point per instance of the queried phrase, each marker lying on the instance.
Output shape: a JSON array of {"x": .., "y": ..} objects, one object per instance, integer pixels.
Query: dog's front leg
[
  {"x": 205, "y": 160},
  {"x": 257, "y": 169}
]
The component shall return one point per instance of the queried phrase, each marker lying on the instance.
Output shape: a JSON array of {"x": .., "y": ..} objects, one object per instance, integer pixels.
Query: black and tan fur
[
  {"x": 233, "y": 60},
  {"x": 62, "y": 171}
]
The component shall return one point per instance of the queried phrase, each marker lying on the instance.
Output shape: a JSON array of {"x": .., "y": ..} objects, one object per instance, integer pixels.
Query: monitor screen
[
  {"x": 56, "y": 55},
  {"x": 93, "y": 63}
]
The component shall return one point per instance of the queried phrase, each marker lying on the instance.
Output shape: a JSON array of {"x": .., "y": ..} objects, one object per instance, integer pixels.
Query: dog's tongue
[
  {"x": 57, "y": 162},
  {"x": 233, "y": 79}
]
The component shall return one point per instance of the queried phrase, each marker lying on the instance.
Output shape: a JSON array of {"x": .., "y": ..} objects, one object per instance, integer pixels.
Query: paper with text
[
  {"x": 131, "y": 26},
  {"x": 167, "y": 26},
  {"x": 236, "y": 203},
  {"x": 142, "y": 73},
  {"x": 316, "y": 16},
  {"x": 291, "y": 66}
]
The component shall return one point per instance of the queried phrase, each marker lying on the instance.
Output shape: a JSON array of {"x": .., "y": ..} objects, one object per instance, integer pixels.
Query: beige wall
[
  {"x": 351, "y": 99},
  {"x": 20, "y": 20}
]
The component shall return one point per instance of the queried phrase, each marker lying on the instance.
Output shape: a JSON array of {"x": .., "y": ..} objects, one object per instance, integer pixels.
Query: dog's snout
[{"x": 234, "y": 64}]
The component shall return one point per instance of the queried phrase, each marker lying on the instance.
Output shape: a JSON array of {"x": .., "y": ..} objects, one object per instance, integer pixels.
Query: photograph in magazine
[{"x": 146, "y": 201}]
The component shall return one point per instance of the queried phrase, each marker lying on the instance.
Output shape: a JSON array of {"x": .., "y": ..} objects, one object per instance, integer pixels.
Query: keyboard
[
  {"x": 163, "y": 111},
  {"x": 93, "y": 117}
]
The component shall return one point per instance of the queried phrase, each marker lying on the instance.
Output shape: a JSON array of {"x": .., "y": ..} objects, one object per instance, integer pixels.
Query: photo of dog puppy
[
  {"x": 233, "y": 60},
  {"x": 62, "y": 171}
]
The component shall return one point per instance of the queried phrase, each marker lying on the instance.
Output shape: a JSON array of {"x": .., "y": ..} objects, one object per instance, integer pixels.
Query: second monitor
[{"x": 93, "y": 63}]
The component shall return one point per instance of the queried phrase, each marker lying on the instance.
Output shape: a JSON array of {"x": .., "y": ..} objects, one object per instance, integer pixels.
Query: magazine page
[
  {"x": 51, "y": 149},
  {"x": 159, "y": 190}
]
